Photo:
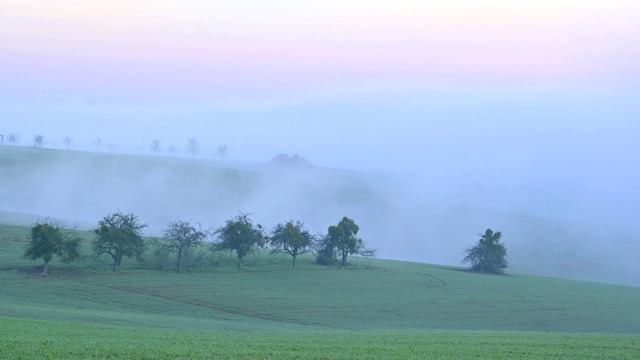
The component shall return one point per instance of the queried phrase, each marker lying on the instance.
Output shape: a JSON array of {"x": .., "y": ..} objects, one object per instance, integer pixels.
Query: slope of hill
[
  {"x": 403, "y": 217},
  {"x": 268, "y": 295}
]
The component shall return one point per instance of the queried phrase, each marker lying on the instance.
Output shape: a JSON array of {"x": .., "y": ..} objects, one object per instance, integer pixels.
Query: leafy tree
[
  {"x": 182, "y": 238},
  {"x": 291, "y": 161},
  {"x": 49, "y": 239},
  {"x": 119, "y": 235},
  {"x": 291, "y": 238},
  {"x": 340, "y": 242},
  {"x": 13, "y": 138},
  {"x": 488, "y": 255},
  {"x": 239, "y": 234},
  {"x": 38, "y": 140}
]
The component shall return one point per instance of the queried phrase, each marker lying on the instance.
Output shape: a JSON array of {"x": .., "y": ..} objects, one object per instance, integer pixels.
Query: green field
[{"x": 372, "y": 309}]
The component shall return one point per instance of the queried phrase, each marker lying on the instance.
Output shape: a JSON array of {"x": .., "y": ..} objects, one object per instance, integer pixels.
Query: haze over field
[{"x": 522, "y": 117}]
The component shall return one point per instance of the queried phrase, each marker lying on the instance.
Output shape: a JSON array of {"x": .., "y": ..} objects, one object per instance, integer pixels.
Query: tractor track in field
[{"x": 222, "y": 308}]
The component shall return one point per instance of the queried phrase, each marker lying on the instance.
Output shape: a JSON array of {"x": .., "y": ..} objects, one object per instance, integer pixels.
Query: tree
[
  {"x": 49, "y": 239},
  {"x": 182, "y": 237},
  {"x": 193, "y": 147},
  {"x": 172, "y": 150},
  {"x": 156, "y": 145},
  {"x": 292, "y": 161},
  {"x": 239, "y": 234},
  {"x": 291, "y": 238},
  {"x": 13, "y": 138},
  {"x": 67, "y": 141},
  {"x": 340, "y": 242},
  {"x": 97, "y": 142},
  {"x": 119, "y": 235},
  {"x": 488, "y": 255},
  {"x": 222, "y": 152},
  {"x": 38, "y": 140}
]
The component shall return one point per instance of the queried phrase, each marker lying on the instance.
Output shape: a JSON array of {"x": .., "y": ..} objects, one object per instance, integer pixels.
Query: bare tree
[
  {"x": 38, "y": 140},
  {"x": 183, "y": 237},
  {"x": 156, "y": 145},
  {"x": 13, "y": 138},
  {"x": 67, "y": 141},
  {"x": 193, "y": 147},
  {"x": 172, "y": 150},
  {"x": 97, "y": 142},
  {"x": 221, "y": 152},
  {"x": 1, "y": 139}
]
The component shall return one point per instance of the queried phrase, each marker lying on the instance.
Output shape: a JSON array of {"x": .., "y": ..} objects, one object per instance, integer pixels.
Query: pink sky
[{"x": 192, "y": 48}]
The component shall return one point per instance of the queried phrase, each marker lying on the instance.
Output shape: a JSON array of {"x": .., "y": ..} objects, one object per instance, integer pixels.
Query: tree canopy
[
  {"x": 291, "y": 238},
  {"x": 182, "y": 237},
  {"x": 49, "y": 239},
  {"x": 239, "y": 234},
  {"x": 341, "y": 241},
  {"x": 119, "y": 235},
  {"x": 489, "y": 254}
]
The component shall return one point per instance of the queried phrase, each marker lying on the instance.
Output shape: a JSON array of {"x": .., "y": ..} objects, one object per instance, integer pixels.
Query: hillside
[
  {"x": 268, "y": 295},
  {"x": 405, "y": 218}
]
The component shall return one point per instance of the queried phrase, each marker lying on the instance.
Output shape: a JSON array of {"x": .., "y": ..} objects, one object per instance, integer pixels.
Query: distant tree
[
  {"x": 239, "y": 234},
  {"x": 183, "y": 237},
  {"x": 111, "y": 146},
  {"x": 13, "y": 138},
  {"x": 51, "y": 238},
  {"x": 156, "y": 145},
  {"x": 172, "y": 150},
  {"x": 119, "y": 235},
  {"x": 38, "y": 140},
  {"x": 340, "y": 242},
  {"x": 292, "y": 161},
  {"x": 1, "y": 139},
  {"x": 222, "y": 152},
  {"x": 193, "y": 147},
  {"x": 488, "y": 255},
  {"x": 291, "y": 238},
  {"x": 67, "y": 141},
  {"x": 97, "y": 142}
]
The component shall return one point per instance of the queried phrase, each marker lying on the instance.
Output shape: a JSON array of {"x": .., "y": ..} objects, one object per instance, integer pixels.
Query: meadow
[{"x": 372, "y": 309}]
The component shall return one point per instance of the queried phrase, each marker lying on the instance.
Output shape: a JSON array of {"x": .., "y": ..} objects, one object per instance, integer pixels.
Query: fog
[{"x": 420, "y": 176}]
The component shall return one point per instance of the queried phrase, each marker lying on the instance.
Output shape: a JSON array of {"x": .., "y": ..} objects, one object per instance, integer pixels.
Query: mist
[{"x": 421, "y": 178}]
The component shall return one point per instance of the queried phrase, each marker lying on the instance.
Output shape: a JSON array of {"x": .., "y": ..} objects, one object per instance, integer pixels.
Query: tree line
[{"x": 119, "y": 235}]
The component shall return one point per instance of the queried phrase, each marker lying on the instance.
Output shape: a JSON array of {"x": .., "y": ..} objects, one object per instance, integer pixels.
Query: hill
[
  {"x": 405, "y": 218},
  {"x": 268, "y": 295},
  {"x": 372, "y": 309}
]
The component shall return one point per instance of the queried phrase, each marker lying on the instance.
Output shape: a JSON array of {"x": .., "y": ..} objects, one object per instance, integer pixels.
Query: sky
[{"x": 528, "y": 105}]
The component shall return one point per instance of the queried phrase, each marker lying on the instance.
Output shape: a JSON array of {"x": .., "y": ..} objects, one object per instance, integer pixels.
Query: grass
[
  {"x": 29, "y": 339},
  {"x": 373, "y": 309}
]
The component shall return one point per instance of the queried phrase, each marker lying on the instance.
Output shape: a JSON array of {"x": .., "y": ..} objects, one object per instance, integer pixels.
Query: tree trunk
[
  {"x": 115, "y": 264},
  {"x": 344, "y": 259},
  {"x": 45, "y": 268},
  {"x": 179, "y": 260},
  {"x": 294, "y": 260},
  {"x": 239, "y": 262}
]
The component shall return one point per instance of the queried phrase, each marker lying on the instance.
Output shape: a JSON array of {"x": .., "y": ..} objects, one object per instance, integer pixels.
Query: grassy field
[
  {"x": 29, "y": 339},
  {"x": 372, "y": 309}
]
